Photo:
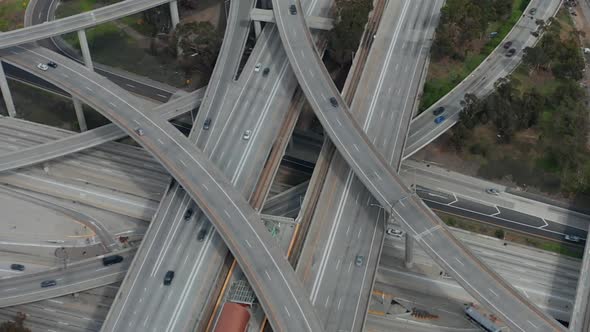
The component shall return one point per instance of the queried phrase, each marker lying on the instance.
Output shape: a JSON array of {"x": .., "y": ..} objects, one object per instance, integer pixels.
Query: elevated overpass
[
  {"x": 479, "y": 280},
  {"x": 269, "y": 273}
]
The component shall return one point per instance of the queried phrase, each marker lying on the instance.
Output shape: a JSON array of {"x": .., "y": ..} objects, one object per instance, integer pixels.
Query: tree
[
  {"x": 199, "y": 44},
  {"x": 351, "y": 19},
  {"x": 159, "y": 18},
  {"x": 535, "y": 58}
]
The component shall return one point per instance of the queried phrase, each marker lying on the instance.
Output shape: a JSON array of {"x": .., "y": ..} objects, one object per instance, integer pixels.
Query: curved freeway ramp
[
  {"x": 91, "y": 138},
  {"x": 76, "y": 22},
  {"x": 370, "y": 167},
  {"x": 269, "y": 273},
  {"x": 76, "y": 277}
]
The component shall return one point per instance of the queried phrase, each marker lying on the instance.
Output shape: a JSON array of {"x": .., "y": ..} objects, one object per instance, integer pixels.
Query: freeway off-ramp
[
  {"x": 484, "y": 284},
  {"x": 368, "y": 179},
  {"x": 269, "y": 273}
]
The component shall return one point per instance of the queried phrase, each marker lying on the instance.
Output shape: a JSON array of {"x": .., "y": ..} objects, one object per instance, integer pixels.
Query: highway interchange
[{"x": 371, "y": 168}]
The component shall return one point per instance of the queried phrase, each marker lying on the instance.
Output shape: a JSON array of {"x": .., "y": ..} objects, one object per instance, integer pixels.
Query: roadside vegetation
[
  {"x": 533, "y": 128},
  {"x": 463, "y": 39},
  {"x": 344, "y": 39},
  {"x": 145, "y": 44},
  {"x": 512, "y": 236},
  {"x": 12, "y": 14}
]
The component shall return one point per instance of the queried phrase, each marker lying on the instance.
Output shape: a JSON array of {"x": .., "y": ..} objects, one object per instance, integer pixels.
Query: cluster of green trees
[
  {"x": 560, "y": 116},
  {"x": 561, "y": 57},
  {"x": 351, "y": 17},
  {"x": 463, "y": 21},
  {"x": 199, "y": 44}
]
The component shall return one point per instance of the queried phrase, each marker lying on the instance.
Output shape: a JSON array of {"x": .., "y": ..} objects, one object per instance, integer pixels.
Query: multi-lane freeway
[
  {"x": 179, "y": 155},
  {"x": 94, "y": 137},
  {"x": 481, "y": 81},
  {"x": 478, "y": 279},
  {"x": 262, "y": 262}
]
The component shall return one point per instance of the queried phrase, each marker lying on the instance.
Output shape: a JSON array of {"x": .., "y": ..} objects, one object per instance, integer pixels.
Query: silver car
[
  {"x": 359, "y": 260},
  {"x": 42, "y": 66},
  {"x": 247, "y": 134}
]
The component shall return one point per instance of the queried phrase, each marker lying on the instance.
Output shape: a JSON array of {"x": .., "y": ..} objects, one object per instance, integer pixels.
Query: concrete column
[
  {"x": 85, "y": 49},
  {"x": 80, "y": 114},
  {"x": 409, "y": 250},
  {"x": 174, "y": 14},
  {"x": 6, "y": 93},
  {"x": 257, "y": 29}
]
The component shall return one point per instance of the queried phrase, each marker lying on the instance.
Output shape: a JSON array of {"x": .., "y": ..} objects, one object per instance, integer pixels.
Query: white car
[
  {"x": 139, "y": 131},
  {"x": 493, "y": 191},
  {"x": 247, "y": 134},
  {"x": 257, "y": 67},
  {"x": 42, "y": 66},
  {"x": 394, "y": 232},
  {"x": 572, "y": 238}
]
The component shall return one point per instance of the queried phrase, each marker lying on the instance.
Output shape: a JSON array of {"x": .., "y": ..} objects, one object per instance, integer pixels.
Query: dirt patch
[{"x": 206, "y": 11}]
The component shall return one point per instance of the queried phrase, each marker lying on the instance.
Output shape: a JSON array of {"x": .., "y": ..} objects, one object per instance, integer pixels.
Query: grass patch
[
  {"x": 445, "y": 74},
  {"x": 12, "y": 13},
  {"x": 511, "y": 236}
]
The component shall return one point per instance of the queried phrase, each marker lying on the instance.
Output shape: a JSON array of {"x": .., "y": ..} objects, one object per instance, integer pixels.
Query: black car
[
  {"x": 188, "y": 214},
  {"x": 511, "y": 52},
  {"x": 207, "y": 123},
  {"x": 438, "y": 111},
  {"x": 333, "y": 101},
  {"x": 201, "y": 235},
  {"x": 17, "y": 267},
  {"x": 52, "y": 64},
  {"x": 265, "y": 71},
  {"x": 293, "y": 10},
  {"x": 168, "y": 278},
  {"x": 48, "y": 283},
  {"x": 110, "y": 260},
  {"x": 507, "y": 45}
]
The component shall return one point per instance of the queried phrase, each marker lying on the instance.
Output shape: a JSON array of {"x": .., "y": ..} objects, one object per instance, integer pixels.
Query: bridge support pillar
[
  {"x": 85, "y": 49},
  {"x": 175, "y": 18},
  {"x": 409, "y": 250},
  {"x": 257, "y": 29},
  {"x": 80, "y": 114},
  {"x": 6, "y": 93}
]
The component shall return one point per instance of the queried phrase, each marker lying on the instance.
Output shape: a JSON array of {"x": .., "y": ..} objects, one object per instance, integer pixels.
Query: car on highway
[
  {"x": 188, "y": 214},
  {"x": 247, "y": 134},
  {"x": 42, "y": 66},
  {"x": 532, "y": 11},
  {"x": 439, "y": 119},
  {"x": 168, "y": 278},
  {"x": 507, "y": 45},
  {"x": 52, "y": 64},
  {"x": 511, "y": 52},
  {"x": 333, "y": 101},
  {"x": 493, "y": 191},
  {"x": 206, "y": 124},
  {"x": 572, "y": 238},
  {"x": 110, "y": 260},
  {"x": 139, "y": 131},
  {"x": 257, "y": 67},
  {"x": 394, "y": 232},
  {"x": 201, "y": 235},
  {"x": 265, "y": 71},
  {"x": 48, "y": 283},
  {"x": 438, "y": 111},
  {"x": 358, "y": 261},
  {"x": 17, "y": 267},
  {"x": 293, "y": 10}
]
